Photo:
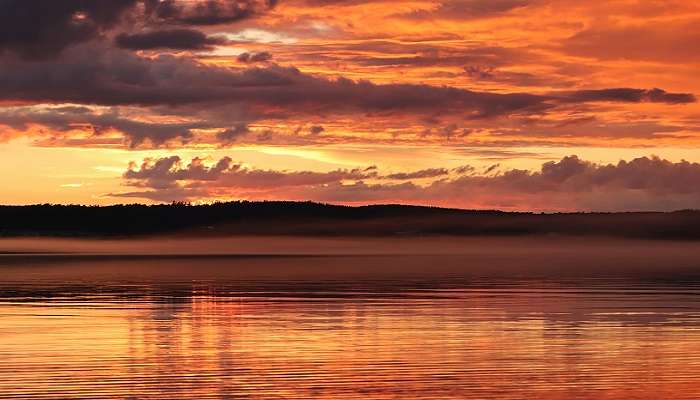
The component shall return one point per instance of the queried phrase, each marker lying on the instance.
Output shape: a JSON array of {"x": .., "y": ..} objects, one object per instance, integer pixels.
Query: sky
[{"x": 528, "y": 105}]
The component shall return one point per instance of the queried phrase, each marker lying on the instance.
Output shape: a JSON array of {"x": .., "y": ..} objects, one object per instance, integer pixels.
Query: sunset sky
[{"x": 542, "y": 105}]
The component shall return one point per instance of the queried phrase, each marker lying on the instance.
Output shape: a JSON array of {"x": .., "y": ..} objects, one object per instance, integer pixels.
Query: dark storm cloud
[
  {"x": 40, "y": 29},
  {"x": 183, "y": 39},
  {"x": 91, "y": 75},
  {"x": 205, "y": 12}
]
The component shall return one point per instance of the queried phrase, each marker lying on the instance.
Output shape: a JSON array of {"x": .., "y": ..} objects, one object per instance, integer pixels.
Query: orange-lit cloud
[
  {"x": 502, "y": 75},
  {"x": 567, "y": 184}
]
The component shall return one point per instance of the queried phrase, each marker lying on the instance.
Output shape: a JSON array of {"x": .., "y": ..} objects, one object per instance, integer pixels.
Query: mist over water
[{"x": 285, "y": 318}]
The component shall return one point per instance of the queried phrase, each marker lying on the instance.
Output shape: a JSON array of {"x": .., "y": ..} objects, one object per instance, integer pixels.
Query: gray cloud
[
  {"x": 42, "y": 29},
  {"x": 63, "y": 119},
  {"x": 169, "y": 172},
  {"x": 116, "y": 77},
  {"x": 646, "y": 183},
  {"x": 628, "y": 95},
  {"x": 231, "y": 135},
  {"x": 425, "y": 173},
  {"x": 166, "y": 172},
  {"x": 205, "y": 12},
  {"x": 121, "y": 78},
  {"x": 39, "y": 29},
  {"x": 455, "y": 9},
  {"x": 254, "y": 57},
  {"x": 182, "y": 39},
  {"x": 316, "y": 130}
]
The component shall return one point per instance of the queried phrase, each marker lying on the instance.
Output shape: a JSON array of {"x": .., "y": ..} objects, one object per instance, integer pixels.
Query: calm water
[{"x": 480, "y": 325}]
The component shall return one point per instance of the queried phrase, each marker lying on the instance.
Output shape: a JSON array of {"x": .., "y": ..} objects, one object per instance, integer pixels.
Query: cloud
[
  {"x": 469, "y": 9},
  {"x": 97, "y": 122},
  {"x": 567, "y": 185},
  {"x": 181, "y": 39},
  {"x": 452, "y": 9},
  {"x": 231, "y": 135},
  {"x": 265, "y": 136},
  {"x": 205, "y": 12},
  {"x": 42, "y": 29},
  {"x": 122, "y": 78},
  {"x": 425, "y": 173},
  {"x": 317, "y": 130},
  {"x": 113, "y": 77},
  {"x": 90, "y": 61},
  {"x": 481, "y": 73},
  {"x": 165, "y": 172},
  {"x": 668, "y": 42},
  {"x": 254, "y": 57},
  {"x": 646, "y": 183},
  {"x": 170, "y": 172},
  {"x": 628, "y": 95},
  {"x": 430, "y": 56}
]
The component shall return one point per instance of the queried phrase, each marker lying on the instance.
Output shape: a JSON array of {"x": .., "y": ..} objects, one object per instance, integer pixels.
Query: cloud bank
[{"x": 646, "y": 183}]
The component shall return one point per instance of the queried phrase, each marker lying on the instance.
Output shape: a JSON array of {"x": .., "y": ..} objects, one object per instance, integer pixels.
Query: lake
[{"x": 412, "y": 318}]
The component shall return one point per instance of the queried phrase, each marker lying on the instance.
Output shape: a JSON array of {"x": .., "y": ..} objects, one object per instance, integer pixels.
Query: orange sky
[{"x": 446, "y": 102}]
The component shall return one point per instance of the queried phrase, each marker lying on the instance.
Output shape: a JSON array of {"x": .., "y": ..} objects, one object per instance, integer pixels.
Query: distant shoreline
[{"x": 322, "y": 220}]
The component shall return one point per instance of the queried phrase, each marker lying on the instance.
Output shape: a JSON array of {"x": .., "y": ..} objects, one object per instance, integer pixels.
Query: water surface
[{"x": 476, "y": 319}]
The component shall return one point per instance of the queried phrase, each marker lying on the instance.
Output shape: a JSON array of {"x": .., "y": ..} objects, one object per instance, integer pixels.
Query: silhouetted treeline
[{"x": 306, "y": 218}]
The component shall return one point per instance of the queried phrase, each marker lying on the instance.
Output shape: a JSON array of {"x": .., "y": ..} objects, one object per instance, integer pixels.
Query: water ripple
[{"x": 241, "y": 336}]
